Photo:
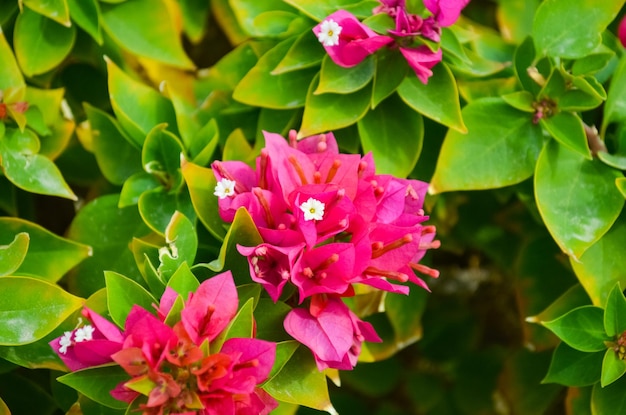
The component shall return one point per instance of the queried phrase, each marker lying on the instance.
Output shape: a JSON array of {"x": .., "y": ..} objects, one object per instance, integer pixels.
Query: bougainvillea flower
[
  {"x": 209, "y": 310},
  {"x": 271, "y": 265},
  {"x": 332, "y": 332},
  {"x": 90, "y": 344},
  {"x": 421, "y": 59},
  {"x": 356, "y": 41},
  {"x": 445, "y": 12}
]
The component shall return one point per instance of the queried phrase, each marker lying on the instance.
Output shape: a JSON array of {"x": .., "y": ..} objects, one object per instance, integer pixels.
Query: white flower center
[
  {"x": 313, "y": 209},
  {"x": 65, "y": 341},
  {"x": 225, "y": 188},
  {"x": 329, "y": 33},
  {"x": 84, "y": 333}
]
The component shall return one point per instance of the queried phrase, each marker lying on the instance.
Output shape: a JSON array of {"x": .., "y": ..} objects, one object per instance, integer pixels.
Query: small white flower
[
  {"x": 329, "y": 33},
  {"x": 225, "y": 188},
  {"x": 65, "y": 341},
  {"x": 313, "y": 209},
  {"x": 84, "y": 333}
]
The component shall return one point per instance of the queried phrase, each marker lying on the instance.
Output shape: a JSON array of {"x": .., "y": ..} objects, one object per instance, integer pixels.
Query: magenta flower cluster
[
  {"x": 328, "y": 222},
  {"x": 348, "y": 41},
  {"x": 173, "y": 368}
]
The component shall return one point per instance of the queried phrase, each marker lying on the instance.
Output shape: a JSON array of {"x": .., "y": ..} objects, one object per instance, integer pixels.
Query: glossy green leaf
[
  {"x": 391, "y": 69},
  {"x": 241, "y": 326},
  {"x": 259, "y": 87},
  {"x": 489, "y": 155},
  {"x": 241, "y": 232},
  {"x": 520, "y": 100},
  {"x": 53, "y": 9},
  {"x": 269, "y": 317},
  {"x": 138, "y": 108},
  {"x": 394, "y": 134},
  {"x": 28, "y": 170},
  {"x": 237, "y": 147},
  {"x": 157, "y": 207},
  {"x": 318, "y": 10},
  {"x": 567, "y": 128},
  {"x": 13, "y": 254},
  {"x": 615, "y": 107},
  {"x": 615, "y": 312},
  {"x": 97, "y": 383},
  {"x": 201, "y": 183},
  {"x": 86, "y": 14},
  {"x": 574, "y": 297},
  {"x": 576, "y": 197},
  {"x": 602, "y": 265},
  {"x": 405, "y": 315},
  {"x": 620, "y": 183},
  {"x": 109, "y": 230},
  {"x": 327, "y": 112},
  {"x": 523, "y": 60},
  {"x": 161, "y": 156},
  {"x": 122, "y": 294},
  {"x": 40, "y": 43},
  {"x": 571, "y": 367},
  {"x": 581, "y": 328},
  {"x": 284, "y": 352},
  {"x": 117, "y": 158},
  {"x": 301, "y": 383},
  {"x": 572, "y": 32},
  {"x": 617, "y": 161},
  {"x": 305, "y": 52},
  {"x": 610, "y": 399},
  {"x": 204, "y": 143},
  {"x": 49, "y": 256},
  {"x": 437, "y": 100},
  {"x": 613, "y": 368},
  {"x": 336, "y": 79},
  {"x": 183, "y": 281},
  {"x": 10, "y": 73},
  {"x": 182, "y": 240},
  {"x": 23, "y": 320},
  {"x": 515, "y": 18},
  {"x": 132, "y": 24},
  {"x": 270, "y": 18},
  {"x": 195, "y": 16}
]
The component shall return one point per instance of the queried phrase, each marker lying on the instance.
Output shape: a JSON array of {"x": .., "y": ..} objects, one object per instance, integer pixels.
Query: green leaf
[
  {"x": 49, "y": 256},
  {"x": 269, "y": 318},
  {"x": 523, "y": 59},
  {"x": 574, "y": 297},
  {"x": 241, "y": 326},
  {"x": 23, "y": 320},
  {"x": 620, "y": 183},
  {"x": 491, "y": 154},
  {"x": 157, "y": 207},
  {"x": 161, "y": 156},
  {"x": 515, "y": 18},
  {"x": 561, "y": 30},
  {"x": 391, "y": 69},
  {"x": 40, "y": 43},
  {"x": 394, "y": 134},
  {"x": 602, "y": 265},
  {"x": 520, "y": 100},
  {"x": 28, "y": 170},
  {"x": 183, "y": 281},
  {"x": 574, "y": 368},
  {"x": 260, "y": 88},
  {"x": 305, "y": 52},
  {"x": 327, "y": 112},
  {"x": 319, "y": 10},
  {"x": 237, "y": 147},
  {"x": 339, "y": 80},
  {"x": 615, "y": 106},
  {"x": 269, "y": 18},
  {"x": 109, "y": 230},
  {"x": 135, "y": 186},
  {"x": 201, "y": 183},
  {"x": 567, "y": 128},
  {"x": 242, "y": 232},
  {"x": 576, "y": 197},
  {"x": 615, "y": 312},
  {"x": 284, "y": 352},
  {"x": 613, "y": 368},
  {"x": 610, "y": 399},
  {"x": 204, "y": 143},
  {"x": 582, "y": 328},
  {"x": 133, "y": 25},
  {"x": 10, "y": 74},
  {"x": 117, "y": 158},
  {"x": 53, "y": 9},
  {"x": 138, "y": 108},
  {"x": 405, "y": 315},
  {"x": 13, "y": 254},
  {"x": 299, "y": 382},
  {"x": 97, "y": 383},
  {"x": 182, "y": 240},
  {"x": 195, "y": 15},
  {"x": 122, "y": 294},
  {"x": 437, "y": 100},
  {"x": 86, "y": 14}
]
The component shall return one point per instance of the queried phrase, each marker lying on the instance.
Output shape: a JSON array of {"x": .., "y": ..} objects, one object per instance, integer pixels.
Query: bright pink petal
[
  {"x": 421, "y": 60},
  {"x": 621, "y": 31},
  {"x": 446, "y": 12}
]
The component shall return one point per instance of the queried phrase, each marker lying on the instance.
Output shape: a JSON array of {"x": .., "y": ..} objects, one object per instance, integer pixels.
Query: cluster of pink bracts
[
  {"x": 328, "y": 222},
  {"x": 348, "y": 41},
  {"x": 171, "y": 366}
]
